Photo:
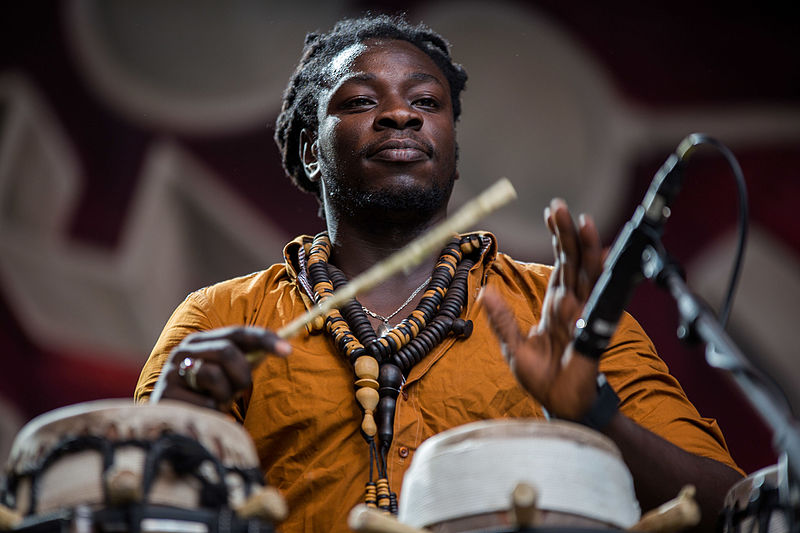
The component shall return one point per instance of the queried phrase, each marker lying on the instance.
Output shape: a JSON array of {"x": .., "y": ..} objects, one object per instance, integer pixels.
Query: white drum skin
[
  {"x": 462, "y": 479},
  {"x": 75, "y": 476}
]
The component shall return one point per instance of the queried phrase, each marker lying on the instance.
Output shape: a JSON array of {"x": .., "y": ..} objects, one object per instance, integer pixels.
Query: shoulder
[
  {"x": 505, "y": 270},
  {"x": 247, "y": 285}
]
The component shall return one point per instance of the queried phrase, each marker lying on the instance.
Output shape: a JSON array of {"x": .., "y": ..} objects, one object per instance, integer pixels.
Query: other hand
[
  {"x": 210, "y": 368},
  {"x": 543, "y": 361}
]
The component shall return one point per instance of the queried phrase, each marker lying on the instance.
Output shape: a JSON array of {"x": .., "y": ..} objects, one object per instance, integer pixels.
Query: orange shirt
[{"x": 304, "y": 418}]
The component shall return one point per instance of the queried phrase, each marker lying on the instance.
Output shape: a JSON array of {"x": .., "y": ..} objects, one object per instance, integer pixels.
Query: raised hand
[
  {"x": 210, "y": 368},
  {"x": 543, "y": 360}
]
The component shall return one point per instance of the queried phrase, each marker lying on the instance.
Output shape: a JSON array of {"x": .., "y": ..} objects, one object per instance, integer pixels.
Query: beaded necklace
[{"x": 381, "y": 362}]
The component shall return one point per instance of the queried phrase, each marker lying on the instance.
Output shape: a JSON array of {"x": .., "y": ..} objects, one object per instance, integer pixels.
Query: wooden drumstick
[
  {"x": 362, "y": 519},
  {"x": 675, "y": 515},
  {"x": 9, "y": 518},
  {"x": 404, "y": 259},
  {"x": 265, "y": 504}
]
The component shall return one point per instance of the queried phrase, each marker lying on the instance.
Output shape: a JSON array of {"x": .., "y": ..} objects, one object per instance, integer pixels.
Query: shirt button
[
  {"x": 403, "y": 452},
  {"x": 405, "y": 394}
]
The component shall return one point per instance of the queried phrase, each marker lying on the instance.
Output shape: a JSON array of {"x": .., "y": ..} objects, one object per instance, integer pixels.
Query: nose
[{"x": 396, "y": 113}]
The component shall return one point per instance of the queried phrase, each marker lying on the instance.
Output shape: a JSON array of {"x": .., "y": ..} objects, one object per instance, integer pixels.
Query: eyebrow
[
  {"x": 418, "y": 76},
  {"x": 424, "y": 76}
]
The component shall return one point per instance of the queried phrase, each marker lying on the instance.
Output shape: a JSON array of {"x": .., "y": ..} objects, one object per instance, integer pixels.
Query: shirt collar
[{"x": 294, "y": 256}]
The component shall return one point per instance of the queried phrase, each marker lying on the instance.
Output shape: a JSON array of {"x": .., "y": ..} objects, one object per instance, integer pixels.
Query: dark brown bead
[
  {"x": 416, "y": 350},
  {"x": 385, "y": 351},
  {"x": 427, "y": 307},
  {"x": 357, "y": 352},
  {"x": 463, "y": 328},
  {"x": 425, "y": 341},
  {"x": 390, "y": 378},
  {"x": 406, "y": 360},
  {"x": 438, "y": 279},
  {"x": 374, "y": 349},
  {"x": 393, "y": 347},
  {"x": 446, "y": 321},
  {"x": 437, "y": 331},
  {"x": 453, "y": 307},
  {"x": 446, "y": 312},
  {"x": 397, "y": 361},
  {"x": 385, "y": 420},
  {"x": 404, "y": 329}
]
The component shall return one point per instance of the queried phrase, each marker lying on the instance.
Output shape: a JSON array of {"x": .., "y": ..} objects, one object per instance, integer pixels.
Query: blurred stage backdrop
[{"x": 137, "y": 164}]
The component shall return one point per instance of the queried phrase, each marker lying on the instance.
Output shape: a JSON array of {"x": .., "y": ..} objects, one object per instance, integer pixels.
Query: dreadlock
[{"x": 300, "y": 99}]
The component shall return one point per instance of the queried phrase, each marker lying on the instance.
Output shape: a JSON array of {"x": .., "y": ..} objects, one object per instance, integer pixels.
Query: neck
[{"x": 358, "y": 245}]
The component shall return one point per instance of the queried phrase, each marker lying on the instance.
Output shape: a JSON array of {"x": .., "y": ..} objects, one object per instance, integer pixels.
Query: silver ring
[{"x": 188, "y": 369}]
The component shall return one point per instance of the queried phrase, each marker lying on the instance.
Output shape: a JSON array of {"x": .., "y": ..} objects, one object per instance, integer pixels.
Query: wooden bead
[
  {"x": 476, "y": 242},
  {"x": 318, "y": 323},
  {"x": 368, "y": 398},
  {"x": 367, "y": 382},
  {"x": 383, "y": 494},
  {"x": 367, "y": 367},
  {"x": 370, "y": 495},
  {"x": 368, "y": 424},
  {"x": 397, "y": 337}
]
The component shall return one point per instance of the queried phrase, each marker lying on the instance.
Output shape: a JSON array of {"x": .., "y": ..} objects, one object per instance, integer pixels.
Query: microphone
[{"x": 622, "y": 270}]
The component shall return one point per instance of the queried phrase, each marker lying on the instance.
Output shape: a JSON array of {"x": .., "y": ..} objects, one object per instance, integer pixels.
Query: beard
[{"x": 414, "y": 203}]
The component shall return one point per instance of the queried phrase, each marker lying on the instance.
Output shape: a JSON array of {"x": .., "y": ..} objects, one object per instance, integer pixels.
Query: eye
[
  {"x": 427, "y": 102},
  {"x": 358, "y": 102}
]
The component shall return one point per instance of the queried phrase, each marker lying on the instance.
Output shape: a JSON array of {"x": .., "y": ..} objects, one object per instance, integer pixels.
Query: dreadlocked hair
[{"x": 301, "y": 97}]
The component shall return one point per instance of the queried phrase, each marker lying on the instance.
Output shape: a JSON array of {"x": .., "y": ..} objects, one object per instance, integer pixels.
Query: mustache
[{"x": 406, "y": 140}]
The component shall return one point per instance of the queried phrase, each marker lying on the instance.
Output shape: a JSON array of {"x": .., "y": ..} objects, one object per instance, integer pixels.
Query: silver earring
[{"x": 311, "y": 169}]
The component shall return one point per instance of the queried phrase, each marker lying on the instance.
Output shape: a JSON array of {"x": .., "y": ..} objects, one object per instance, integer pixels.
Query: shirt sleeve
[
  {"x": 654, "y": 399},
  {"x": 189, "y": 317}
]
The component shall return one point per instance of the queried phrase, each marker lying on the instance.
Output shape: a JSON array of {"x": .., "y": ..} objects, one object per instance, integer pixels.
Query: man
[{"x": 368, "y": 125}]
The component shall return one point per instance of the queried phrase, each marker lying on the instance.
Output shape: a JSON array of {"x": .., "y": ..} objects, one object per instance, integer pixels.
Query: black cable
[
  {"x": 686, "y": 147},
  {"x": 688, "y": 144}
]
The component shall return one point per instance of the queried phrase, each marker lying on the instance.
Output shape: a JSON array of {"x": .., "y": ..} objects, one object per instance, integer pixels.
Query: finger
[
  {"x": 555, "y": 276},
  {"x": 567, "y": 234},
  {"x": 235, "y": 372},
  {"x": 175, "y": 388},
  {"x": 591, "y": 256},
  {"x": 247, "y": 339},
  {"x": 551, "y": 227},
  {"x": 502, "y": 321}
]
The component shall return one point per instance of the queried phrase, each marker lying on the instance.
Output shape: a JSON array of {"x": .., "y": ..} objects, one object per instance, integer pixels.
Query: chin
[
  {"x": 394, "y": 196},
  {"x": 409, "y": 195}
]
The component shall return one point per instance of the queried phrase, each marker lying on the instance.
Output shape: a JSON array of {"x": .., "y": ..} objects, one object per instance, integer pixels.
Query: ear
[{"x": 309, "y": 155}]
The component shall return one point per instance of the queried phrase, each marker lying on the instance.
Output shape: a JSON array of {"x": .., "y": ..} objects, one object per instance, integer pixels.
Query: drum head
[
  {"x": 109, "y": 452},
  {"x": 466, "y": 475}
]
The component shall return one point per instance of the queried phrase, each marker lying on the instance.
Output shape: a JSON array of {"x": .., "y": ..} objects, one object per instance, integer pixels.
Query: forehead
[{"x": 386, "y": 56}]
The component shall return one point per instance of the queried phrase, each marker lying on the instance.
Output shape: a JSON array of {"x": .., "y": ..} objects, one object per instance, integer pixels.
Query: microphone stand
[{"x": 700, "y": 322}]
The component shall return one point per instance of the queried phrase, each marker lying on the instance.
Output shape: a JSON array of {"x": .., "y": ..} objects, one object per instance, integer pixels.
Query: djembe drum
[
  {"x": 112, "y": 465},
  {"x": 760, "y": 503},
  {"x": 463, "y": 479}
]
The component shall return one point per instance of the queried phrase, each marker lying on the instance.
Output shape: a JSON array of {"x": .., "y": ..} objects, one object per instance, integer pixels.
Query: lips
[{"x": 400, "y": 151}]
